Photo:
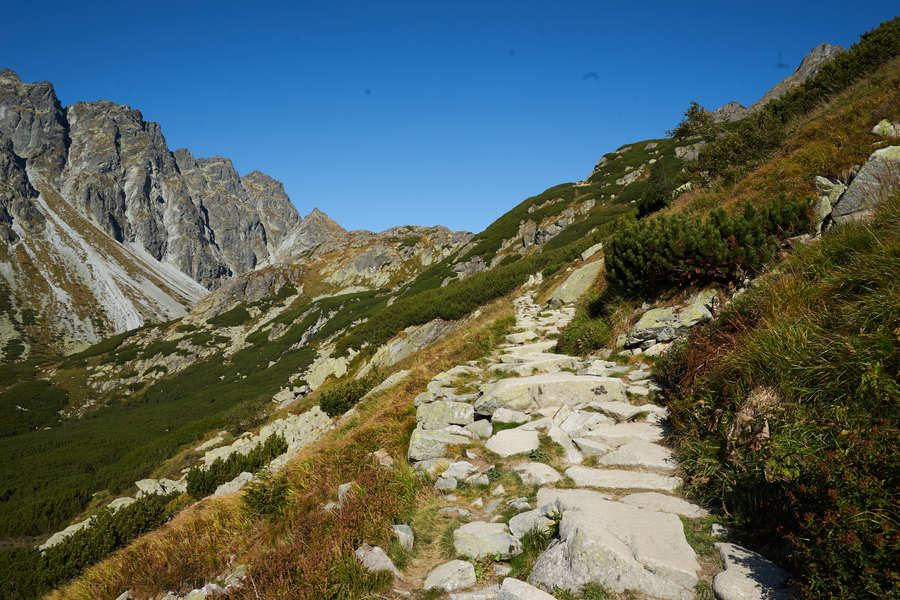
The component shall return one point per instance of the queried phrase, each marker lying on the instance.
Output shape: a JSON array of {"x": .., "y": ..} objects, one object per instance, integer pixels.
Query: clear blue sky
[{"x": 422, "y": 113}]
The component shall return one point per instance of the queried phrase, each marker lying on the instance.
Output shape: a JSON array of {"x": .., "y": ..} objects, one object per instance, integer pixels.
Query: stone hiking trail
[{"x": 614, "y": 496}]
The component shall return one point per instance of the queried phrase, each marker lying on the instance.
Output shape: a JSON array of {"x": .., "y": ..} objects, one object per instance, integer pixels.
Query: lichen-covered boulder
[
  {"x": 478, "y": 539},
  {"x": 878, "y": 179}
]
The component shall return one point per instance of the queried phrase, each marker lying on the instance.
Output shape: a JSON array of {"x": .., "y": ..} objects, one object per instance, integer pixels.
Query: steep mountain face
[
  {"x": 105, "y": 229},
  {"x": 809, "y": 66}
]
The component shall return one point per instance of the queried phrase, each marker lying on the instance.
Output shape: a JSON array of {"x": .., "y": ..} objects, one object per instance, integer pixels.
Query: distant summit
[{"x": 809, "y": 66}]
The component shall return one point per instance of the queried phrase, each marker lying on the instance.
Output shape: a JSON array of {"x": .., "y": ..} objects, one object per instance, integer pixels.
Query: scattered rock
[
  {"x": 878, "y": 179},
  {"x": 441, "y": 413},
  {"x": 482, "y": 428},
  {"x": 514, "y": 589},
  {"x": 478, "y": 539},
  {"x": 233, "y": 485},
  {"x": 374, "y": 559},
  {"x": 486, "y": 593},
  {"x": 451, "y": 576},
  {"x": 344, "y": 490},
  {"x": 512, "y": 441},
  {"x": 749, "y": 576},
  {"x": 718, "y": 530},
  {"x": 535, "y": 473},
  {"x": 886, "y": 128},
  {"x": 618, "y": 479},
  {"x": 506, "y": 415},
  {"x": 431, "y": 444}
]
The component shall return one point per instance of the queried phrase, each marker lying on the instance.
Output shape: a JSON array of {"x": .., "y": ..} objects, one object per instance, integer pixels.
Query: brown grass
[{"x": 307, "y": 553}]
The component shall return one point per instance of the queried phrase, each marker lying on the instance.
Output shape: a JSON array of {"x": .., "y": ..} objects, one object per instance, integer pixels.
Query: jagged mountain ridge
[
  {"x": 123, "y": 203},
  {"x": 809, "y": 66}
]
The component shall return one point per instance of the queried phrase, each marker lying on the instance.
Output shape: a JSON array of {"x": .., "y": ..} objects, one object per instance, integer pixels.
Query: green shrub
[
  {"x": 340, "y": 398},
  {"x": 231, "y": 318},
  {"x": 30, "y": 405},
  {"x": 203, "y": 482},
  {"x": 787, "y": 411},
  {"x": 674, "y": 250},
  {"x": 587, "y": 331},
  {"x": 697, "y": 121},
  {"x": 265, "y": 496},
  {"x": 29, "y": 573}
]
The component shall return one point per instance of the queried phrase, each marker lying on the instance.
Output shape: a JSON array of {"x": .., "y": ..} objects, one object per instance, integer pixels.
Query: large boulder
[
  {"x": 375, "y": 559},
  {"x": 514, "y": 589},
  {"x": 552, "y": 389},
  {"x": 749, "y": 576},
  {"x": 441, "y": 413},
  {"x": 878, "y": 179},
  {"x": 619, "y": 547},
  {"x": 666, "y": 324},
  {"x": 513, "y": 441},
  {"x": 425, "y": 444},
  {"x": 451, "y": 576},
  {"x": 478, "y": 539},
  {"x": 576, "y": 284}
]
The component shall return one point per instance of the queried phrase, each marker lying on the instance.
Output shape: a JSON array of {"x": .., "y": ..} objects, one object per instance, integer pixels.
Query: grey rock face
[
  {"x": 32, "y": 117},
  {"x": 375, "y": 559},
  {"x": 451, "y": 576},
  {"x": 16, "y": 195},
  {"x": 876, "y": 181},
  {"x": 749, "y": 576}
]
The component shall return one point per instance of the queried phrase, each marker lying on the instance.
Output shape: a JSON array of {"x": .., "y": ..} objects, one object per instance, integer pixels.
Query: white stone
[
  {"x": 451, "y": 576},
  {"x": 524, "y": 522},
  {"x": 640, "y": 454},
  {"x": 431, "y": 444},
  {"x": 554, "y": 389},
  {"x": 619, "y": 479},
  {"x": 404, "y": 535},
  {"x": 478, "y": 539},
  {"x": 514, "y": 589},
  {"x": 374, "y": 559},
  {"x": 441, "y": 413},
  {"x": 620, "y": 547},
  {"x": 486, "y": 593},
  {"x": 506, "y": 415},
  {"x": 749, "y": 576},
  {"x": 572, "y": 454},
  {"x": 535, "y": 473},
  {"x": 233, "y": 485},
  {"x": 663, "y": 503},
  {"x": 512, "y": 441}
]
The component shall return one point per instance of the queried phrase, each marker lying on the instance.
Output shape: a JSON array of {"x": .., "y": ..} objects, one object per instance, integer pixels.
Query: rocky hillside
[
  {"x": 105, "y": 229},
  {"x": 591, "y": 398}
]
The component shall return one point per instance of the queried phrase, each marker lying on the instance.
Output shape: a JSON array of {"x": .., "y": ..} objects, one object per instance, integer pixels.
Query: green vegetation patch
[
  {"x": 786, "y": 411},
  {"x": 673, "y": 250},
  {"x": 30, "y": 405},
  {"x": 203, "y": 482},
  {"x": 231, "y": 318}
]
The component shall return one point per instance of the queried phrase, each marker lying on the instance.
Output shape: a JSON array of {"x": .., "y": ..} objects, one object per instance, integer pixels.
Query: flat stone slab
[
  {"x": 425, "y": 444},
  {"x": 514, "y": 589},
  {"x": 506, "y": 415},
  {"x": 620, "y": 547},
  {"x": 536, "y": 473},
  {"x": 619, "y": 479},
  {"x": 374, "y": 559},
  {"x": 486, "y": 593},
  {"x": 526, "y": 521},
  {"x": 640, "y": 454},
  {"x": 572, "y": 499},
  {"x": 572, "y": 454},
  {"x": 478, "y": 538},
  {"x": 663, "y": 503},
  {"x": 521, "y": 338},
  {"x": 576, "y": 284},
  {"x": 592, "y": 447},
  {"x": 749, "y": 576},
  {"x": 451, "y": 576},
  {"x": 536, "y": 347},
  {"x": 622, "y": 411},
  {"x": 512, "y": 441},
  {"x": 552, "y": 389},
  {"x": 622, "y": 433},
  {"x": 441, "y": 413}
]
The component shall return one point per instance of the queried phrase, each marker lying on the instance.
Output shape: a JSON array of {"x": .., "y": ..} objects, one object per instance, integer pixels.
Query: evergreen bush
[
  {"x": 673, "y": 250},
  {"x": 203, "y": 482}
]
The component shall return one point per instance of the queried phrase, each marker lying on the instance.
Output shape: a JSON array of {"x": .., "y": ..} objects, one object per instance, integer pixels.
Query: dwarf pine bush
[{"x": 673, "y": 250}]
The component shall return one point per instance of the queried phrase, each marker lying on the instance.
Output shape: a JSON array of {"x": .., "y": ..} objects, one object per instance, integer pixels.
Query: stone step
[
  {"x": 621, "y": 479},
  {"x": 529, "y": 393}
]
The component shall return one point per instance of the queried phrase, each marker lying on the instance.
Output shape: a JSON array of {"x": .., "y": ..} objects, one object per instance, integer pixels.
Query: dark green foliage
[
  {"x": 162, "y": 369},
  {"x": 340, "y": 398},
  {"x": 285, "y": 292},
  {"x": 186, "y": 328},
  {"x": 811, "y": 361},
  {"x": 41, "y": 402},
  {"x": 674, "y": 250},
  {"x": 265, "y": 496},
  {"x": 231, "y": 318},
  {"x": 754, "y": 138},
  {"x": 587, "y": 331},
  {"x": 165, "y": 348},
  {"x": 13, "y": 349},
  {"x": 29, "y": 574},
  {"x": 102, "y": 347},
  {"x": 697, "y": 121},
  {"x": 203, "y": 482},
  {"x": 664, "y": 178}
]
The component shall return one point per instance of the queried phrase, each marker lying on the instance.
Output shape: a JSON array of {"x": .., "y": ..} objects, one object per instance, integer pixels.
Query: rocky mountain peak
[
  {"x": 809, "y": 66},
  {"x": 9, "y": 76}
]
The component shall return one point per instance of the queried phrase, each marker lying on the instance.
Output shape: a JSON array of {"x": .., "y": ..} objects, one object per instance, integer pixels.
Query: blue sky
[{"x": 384, "y": 114}]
